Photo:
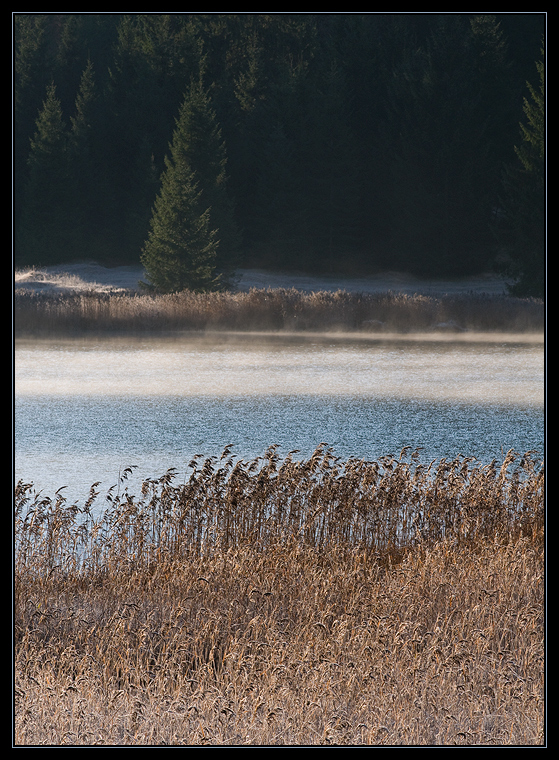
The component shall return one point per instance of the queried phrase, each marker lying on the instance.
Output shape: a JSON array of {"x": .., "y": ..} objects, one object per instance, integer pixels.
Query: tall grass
[
  {"x": 285, "y": 602},
  {"x": 273, "y": 309}
]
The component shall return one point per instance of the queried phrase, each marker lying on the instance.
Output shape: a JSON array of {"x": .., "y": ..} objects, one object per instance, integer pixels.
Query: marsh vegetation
[
  {"x": 285, "y": 602},
  {"x": 278, "y": 309}
]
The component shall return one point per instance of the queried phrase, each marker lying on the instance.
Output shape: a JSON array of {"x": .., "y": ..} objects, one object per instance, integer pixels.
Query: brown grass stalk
[
  {"x": 272, "y": 310},
  {"x": 293, "y": 603}
]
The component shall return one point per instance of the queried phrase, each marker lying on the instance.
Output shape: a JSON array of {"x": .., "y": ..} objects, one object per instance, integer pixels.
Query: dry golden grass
[
  {"x": 286, "y": 603},
  {"x": 273, "y": 309}
]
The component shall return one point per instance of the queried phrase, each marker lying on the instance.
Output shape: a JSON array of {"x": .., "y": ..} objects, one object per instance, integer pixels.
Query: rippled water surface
[{"x": 86, "y": 409}]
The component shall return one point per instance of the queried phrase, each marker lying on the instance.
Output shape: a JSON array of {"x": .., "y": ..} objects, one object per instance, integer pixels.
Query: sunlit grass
[
  {"x": 272, "y": 310},
  {"x": 285, "y": 602}
]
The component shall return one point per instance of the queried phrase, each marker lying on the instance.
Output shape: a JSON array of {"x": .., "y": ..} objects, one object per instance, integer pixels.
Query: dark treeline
[{"x": 319, "y": 142}]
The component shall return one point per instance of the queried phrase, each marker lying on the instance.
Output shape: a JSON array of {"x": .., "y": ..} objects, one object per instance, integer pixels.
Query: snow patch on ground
[{"x": 90, "y": 276}]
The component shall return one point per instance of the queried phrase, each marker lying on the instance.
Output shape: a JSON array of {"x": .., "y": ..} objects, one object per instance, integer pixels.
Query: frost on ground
[
  {"x": 79, "y": 276},
  {"x": 90, "y": 276}
]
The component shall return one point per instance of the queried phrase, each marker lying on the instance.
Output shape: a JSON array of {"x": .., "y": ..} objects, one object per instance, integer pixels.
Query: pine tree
[
  {"x": 45, "y": 233},
  {"x": 532, "y": 150},
  {"x": 444, "y": 137},
  {"x": 30, "y": 83},
  {"x": 277, "y": 208},
  {"x": 180, "y": 252},
  {"x": 330, "y": 179},
  {"x": 203, "y": 148},
  {"x": 522, "y": 231},
  {"x": 152, "y": 59},
  {"x": 85, "y": 176}
]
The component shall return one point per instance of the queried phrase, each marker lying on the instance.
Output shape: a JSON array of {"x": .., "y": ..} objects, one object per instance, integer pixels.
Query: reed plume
[
  {"x": 272, "y": 310},
  {"x": 285, "y": 602}
]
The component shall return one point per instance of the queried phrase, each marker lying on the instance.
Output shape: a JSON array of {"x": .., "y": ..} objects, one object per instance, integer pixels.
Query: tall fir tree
[
  {"x": 331, "y": 177},
  {"x": 204, "y": 149},
  {"x": 444, "y": 149},
  {"x": 153, "y": 57},
  {"x": 85, "y": 180},
  {"x": 522, "y": 224},
  {"x": 385, "y": 132},
  {"x": 277, "y": 208},
  {"x": 46, "y": 228},
  {"x": 30, "y": 82},
  {"x": 181, "y": 249}
]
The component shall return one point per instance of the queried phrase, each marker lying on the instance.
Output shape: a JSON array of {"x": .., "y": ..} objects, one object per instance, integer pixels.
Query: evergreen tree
[
  {"x": 30, "y": 83},
  {"x": 371, "y": 48},
  {"x": 275, "y": 212},
  {"x": 85, "y": 180},
  {"x": 532, "y": 150},
  {"x": 46, "y": 232},
  {"x": 379, "y": 136},
  {"x": 266, "y": 58},
  {"x": 180, "y": 252},
  {"x": 330, "y": 172},
  {"x": 522, "y": 232},
  {"x": 153, "y": 58},
  {"x": 278, "y": 211},
  {"x": 444, "y": 149},
  {"x": 204, "y": 150}
]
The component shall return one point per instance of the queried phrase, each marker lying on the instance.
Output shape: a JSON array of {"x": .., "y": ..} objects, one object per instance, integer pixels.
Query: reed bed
[
  {"x": 271, "y": 310},
  {"x": 285, "y": 602}
]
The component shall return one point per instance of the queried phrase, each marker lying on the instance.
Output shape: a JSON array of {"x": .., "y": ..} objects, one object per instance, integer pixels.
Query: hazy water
[{"x": 86, "y": 409}]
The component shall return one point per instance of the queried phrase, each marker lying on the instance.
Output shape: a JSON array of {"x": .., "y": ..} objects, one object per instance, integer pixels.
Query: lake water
[{"x": 86, "y": 409}]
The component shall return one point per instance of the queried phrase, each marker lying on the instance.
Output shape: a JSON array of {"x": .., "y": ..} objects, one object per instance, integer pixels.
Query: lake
[{"x": 86, "y": 409}]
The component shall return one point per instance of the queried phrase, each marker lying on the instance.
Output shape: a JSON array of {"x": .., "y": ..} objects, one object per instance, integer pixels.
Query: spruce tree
[
  {"x": 277, "y": 208},
  {"x": 86, "y": 201},
  {"x": 330, "y": 173},
  {"x": 152, "y": 59},
  {"x": 45, "y": 234},
  {"x": 522, "y": 231},
  {"x": 180, "y": 252},
  {"x": 444, "y": 137},
  {"x": 203, "y": 148},
  {"x": 30, "y": 82}
]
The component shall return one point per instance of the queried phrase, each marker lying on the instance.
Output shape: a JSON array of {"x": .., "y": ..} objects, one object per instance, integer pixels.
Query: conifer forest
[{"x": 196, "y": 144}]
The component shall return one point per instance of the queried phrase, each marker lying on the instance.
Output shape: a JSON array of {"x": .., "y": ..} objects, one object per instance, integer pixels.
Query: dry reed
[
  {"x": 284, "y": 602},
  {"x": 271, "y": 310}
]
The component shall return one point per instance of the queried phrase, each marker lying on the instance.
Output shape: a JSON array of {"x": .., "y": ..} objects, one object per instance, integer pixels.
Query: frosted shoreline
[{"x": 88, "y": 276}]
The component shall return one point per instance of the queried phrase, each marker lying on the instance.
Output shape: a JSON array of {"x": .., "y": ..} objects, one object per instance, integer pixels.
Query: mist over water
[{"x": 85, "y": 410}]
